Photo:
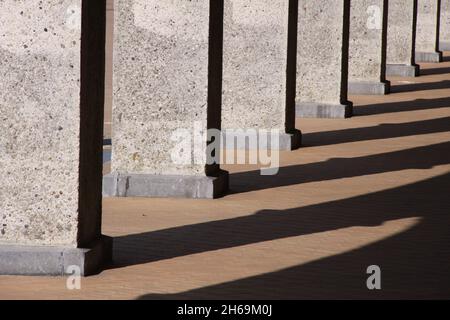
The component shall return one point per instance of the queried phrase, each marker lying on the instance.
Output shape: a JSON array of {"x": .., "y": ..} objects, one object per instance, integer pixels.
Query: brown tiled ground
[{"x": 374, "y": 189}]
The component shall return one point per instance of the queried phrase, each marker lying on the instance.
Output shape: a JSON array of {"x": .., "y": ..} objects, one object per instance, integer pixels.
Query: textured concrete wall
[
  {"x": 445, "y": 25},
  {"x": 401, "y": 32},
  {"x": 367, "y": 52},
  {"x": 50, "y": 142},
  {"x": 322, "y": 51},
  {"x": 427, "y": 26},
  {"x": 161, "y": 81},
  {"x": 255, "y": 64}
]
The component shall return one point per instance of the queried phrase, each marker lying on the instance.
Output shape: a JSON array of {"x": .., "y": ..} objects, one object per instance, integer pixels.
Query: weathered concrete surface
[
  {"x": 427, "y": 37},
  {"x": 322, "y": 59},
  {"x": 109, "y": 69},
  {"x": 51, "y": 106},
  {"x": 401, "y": 38},
  {"x": 367, "y": 52},
  {"x": 444, "y": 33},
  {"x": 167, "y": 78},
  {"x": 258, "y": 75}
]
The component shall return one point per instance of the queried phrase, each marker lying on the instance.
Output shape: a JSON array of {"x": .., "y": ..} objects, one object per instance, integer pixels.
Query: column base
[
  {"x": 165, "y": 186},
  {"x": 444, "y": 46},
  {"x": 402, "y": 70},
  {"x": 369, "y": 88},
  {"x": 323, "y": 110},
  {"x": 434, "y": 57},
  {"x": 54, "y": 261},
  {"x": 287, "y": 141},
  {"x": 290, "y": 141}
]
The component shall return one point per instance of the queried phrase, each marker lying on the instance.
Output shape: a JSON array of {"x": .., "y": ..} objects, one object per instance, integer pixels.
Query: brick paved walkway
[{"x": 371, "y": 190}]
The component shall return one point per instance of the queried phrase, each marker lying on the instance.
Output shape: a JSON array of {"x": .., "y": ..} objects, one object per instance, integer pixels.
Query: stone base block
[
  {"x": 287, "y": 141},
  {"x": 54, "y": 261},
  {"x": 402, "y": 70},
  {"x": 369, "y": 88},
  {"x": 322, "y": 110},
  {"x": 290, "y": 141},
  {"x": 435, "y": 57},
  {"x": 444, "y": 46},
  {"x": 164, "y": 186}
]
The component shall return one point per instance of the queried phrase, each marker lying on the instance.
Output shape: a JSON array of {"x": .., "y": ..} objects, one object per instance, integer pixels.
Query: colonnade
[{"x": 186, "y": 73}]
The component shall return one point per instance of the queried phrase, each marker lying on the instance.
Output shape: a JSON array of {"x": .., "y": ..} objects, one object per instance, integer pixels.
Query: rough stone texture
[
  {"x": 257, "y": 68},
  {"x": 401, "y": 31},
  {"x": 427, "y": 37},
  {"x": 401, "y": 38},
  {"x": 40, "y": 110},
  {"x": 167, "y": 76},
  {"x": 444, "y": 36},
  {"x": 367, "y": 52},
  {"x": 51, "y": 106},
  {"x": 322, "y": 58}
]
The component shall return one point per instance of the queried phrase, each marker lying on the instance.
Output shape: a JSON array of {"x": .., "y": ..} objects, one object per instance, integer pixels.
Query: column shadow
[
  {"x": 434, "y": 71},
  {"x": 370, "y": 210},
  {"x": 381, "y": 131},
  {"x": 402, "y": 106},
  {"x": 445, "y": 84},
  {"x": 338, "y": 168},
  {"x": 415, "y": 264}
]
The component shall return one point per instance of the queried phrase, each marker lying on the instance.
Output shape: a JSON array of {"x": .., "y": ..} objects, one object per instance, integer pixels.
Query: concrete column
[
  {"x": 51, "y": 106},
  {"x": 367, "y": 58},
  {"x": 109, "y": 70},
  {"x": 444, "y": 41},
  {"x": 401, "y": 43},
  {"x": 322, "y": 59},
  {"x": 167, "y": 94},
  {"x": 258, "y": 77},
  {"x": 427, "y": 37}
]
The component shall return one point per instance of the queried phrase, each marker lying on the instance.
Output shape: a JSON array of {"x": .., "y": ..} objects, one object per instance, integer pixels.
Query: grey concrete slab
[
  {"x": 54, "y": 260},
  {"x": 163, "y": 186},
  {"x": 369, "y": 88},
  {"x": 433, "y": 57},
  {"x": 317, "y": 110},
  {"x": 402, "y": 70}
]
